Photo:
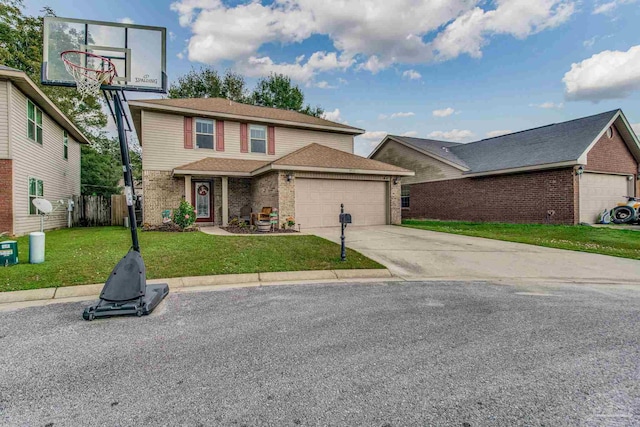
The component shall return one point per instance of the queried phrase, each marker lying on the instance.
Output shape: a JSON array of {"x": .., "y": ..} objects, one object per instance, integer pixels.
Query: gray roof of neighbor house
[
  {"x": 31, "y": 90},
  {"x": 226, "y": 108},
  {"x": 545, "y": 145}
]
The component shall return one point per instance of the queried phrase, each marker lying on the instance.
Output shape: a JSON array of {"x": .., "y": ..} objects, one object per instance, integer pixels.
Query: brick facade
[
  {"x": 6, "y": 196},
  {"x": 161, "y": 191},
  {"x": 286, "y": 196},
  {"x": 395, "y": 202},
  {"x": 264, "y": 191},
  {"x": 613, "y": 155},
  {"x": 534, "y": 197},
  {"x": 239, "y": 195}
]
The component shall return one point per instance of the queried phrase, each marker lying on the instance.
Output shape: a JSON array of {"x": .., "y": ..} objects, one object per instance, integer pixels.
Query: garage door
[
  {"x": 599, "y": 192},
  {"x": 318, "y": 202}
]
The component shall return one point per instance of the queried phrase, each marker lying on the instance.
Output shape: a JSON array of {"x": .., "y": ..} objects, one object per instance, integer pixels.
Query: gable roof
[
  {"x": 224, "y": 108},
  {"x": 558, "y": 144},
  {"x": 32, "y": 91},
  {"x": 313, "y": 157}
]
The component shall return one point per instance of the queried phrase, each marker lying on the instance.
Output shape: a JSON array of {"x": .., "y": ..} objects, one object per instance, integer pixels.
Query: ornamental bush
[{"x": 185, "y": 215}]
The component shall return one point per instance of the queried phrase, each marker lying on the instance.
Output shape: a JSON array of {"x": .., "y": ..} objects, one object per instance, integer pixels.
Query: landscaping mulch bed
[
  {"x": 248, "y": 230},
  {"x": 168, "y": 227}
]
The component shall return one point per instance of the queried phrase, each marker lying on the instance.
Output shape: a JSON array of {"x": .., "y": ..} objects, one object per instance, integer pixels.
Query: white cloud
[
  {"x": 606, "y": 75},
  {"x": 126, "y": 20},
  {"x": 412, "y": 75},
  {"x": 495, "y": 133},
  {"x": 636, "y": 128},
  {"x": 180, "y": 55},
  {"x": 325, "y": 85},
  {"x": 376, "y": 134},
  {"x": 589, "y": 42},
  {"x": 378, "y": 33},
  {"x": 610, "y": 6},
  {"x": 172, "y": 36},
  {"x": 333, "y": 116},
  {"x": 409, "y": 133},
  {"x": 444, "y": 112},
  {"x": 548, "y": 105},
  {"x": 452, "y": 135},
  {"x": 396, "y": 115}
]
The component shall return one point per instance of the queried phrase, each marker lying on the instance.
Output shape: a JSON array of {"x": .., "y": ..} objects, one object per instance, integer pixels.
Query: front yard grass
[
  {"x": 599, "y": 240},
  {"x": 87, "y": 255}
]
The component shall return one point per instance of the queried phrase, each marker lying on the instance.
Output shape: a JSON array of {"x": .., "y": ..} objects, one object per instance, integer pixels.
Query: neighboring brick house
[
  {"x": 564, "y": 173},
  {"x": 224, "y": 156},
  {"x": 39, "y": 154}
]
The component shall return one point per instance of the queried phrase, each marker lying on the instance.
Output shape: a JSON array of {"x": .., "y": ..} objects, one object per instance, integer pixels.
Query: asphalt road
[{"x": 395, "y": 354}]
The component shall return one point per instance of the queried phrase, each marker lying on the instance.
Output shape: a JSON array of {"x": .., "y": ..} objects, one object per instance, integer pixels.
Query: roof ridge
[{"x": 544, "y": 126}]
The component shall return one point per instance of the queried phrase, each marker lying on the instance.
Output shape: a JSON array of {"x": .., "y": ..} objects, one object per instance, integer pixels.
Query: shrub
[{"x": 185, "y": 215}]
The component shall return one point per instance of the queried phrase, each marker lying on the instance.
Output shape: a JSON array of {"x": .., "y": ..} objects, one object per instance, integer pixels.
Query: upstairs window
[
  {"x": 258, "y": 139},
  {"x": 65, "y": 143},
  {"x": 204, "y": 133},
  {"x": 34, "y": 122},
  {"x": 404, "y": 196},
  {"x": 36, "y": 191}
]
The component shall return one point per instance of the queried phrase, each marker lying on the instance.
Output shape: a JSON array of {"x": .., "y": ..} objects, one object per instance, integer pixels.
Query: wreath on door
[{"x": 203, "y": 190}]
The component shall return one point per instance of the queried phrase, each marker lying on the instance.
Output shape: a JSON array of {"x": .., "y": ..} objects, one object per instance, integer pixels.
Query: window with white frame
[
  {"x": 36, "y": 191},
  {"x": 204, "y": 133},
  {"x": 258, "y": 138},
  {"x": 34, "y": 122},
  {"x": 404, "y": 196},
  {"x": 65, "y": 142}
]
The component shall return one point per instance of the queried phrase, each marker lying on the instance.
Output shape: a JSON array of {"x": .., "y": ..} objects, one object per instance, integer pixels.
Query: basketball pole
[{"x": 126, "y": 169}]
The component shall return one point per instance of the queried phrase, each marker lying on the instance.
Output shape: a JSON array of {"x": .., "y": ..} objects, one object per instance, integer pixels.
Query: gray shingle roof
[
  {"x": 437, "y": 148},
  {"x": 555, "y": 143},
  {"x": 5, "y": 68}
]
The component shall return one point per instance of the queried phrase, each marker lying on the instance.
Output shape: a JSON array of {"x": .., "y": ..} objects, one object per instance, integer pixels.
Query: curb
[{"x": 91, "y": 291}]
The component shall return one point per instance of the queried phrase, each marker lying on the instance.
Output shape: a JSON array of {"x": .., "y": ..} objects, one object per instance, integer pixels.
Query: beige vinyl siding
[
  {"x": 163, "y": 142},
  {"x": 4, "y": 120},
  {"x": 61, "y": 177},
  {"x": 426, "y": 168}
]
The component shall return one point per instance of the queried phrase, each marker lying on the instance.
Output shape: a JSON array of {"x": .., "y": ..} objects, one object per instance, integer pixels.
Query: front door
[{"x": 203, "y": 200}]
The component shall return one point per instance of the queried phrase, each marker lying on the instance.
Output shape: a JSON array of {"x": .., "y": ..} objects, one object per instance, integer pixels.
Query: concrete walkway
[{"x": 420, "y": 254}]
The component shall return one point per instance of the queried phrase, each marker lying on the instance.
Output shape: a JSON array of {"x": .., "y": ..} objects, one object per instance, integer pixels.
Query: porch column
[
  {"x": 187, "y": 189},
  {"x": 225, "y": 201}
]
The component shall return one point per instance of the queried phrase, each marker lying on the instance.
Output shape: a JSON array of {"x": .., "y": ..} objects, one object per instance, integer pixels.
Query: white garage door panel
[
  {"x": 599, "y": 192},
  {"x": 318, "y": 202}
]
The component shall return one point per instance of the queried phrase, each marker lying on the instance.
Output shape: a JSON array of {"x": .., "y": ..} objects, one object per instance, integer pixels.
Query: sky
[{"x": 456, "y": 70}]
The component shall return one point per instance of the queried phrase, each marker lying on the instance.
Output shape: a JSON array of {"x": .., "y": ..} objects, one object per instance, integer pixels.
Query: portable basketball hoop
[{"x": 88, "y": 79}]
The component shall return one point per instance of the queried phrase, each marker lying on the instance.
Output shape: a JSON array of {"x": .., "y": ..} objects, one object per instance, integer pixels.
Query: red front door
[{"x": 202, "y": 196}]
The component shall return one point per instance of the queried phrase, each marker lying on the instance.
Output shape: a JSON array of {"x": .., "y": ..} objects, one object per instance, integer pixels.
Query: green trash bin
[{"x": 8, "y": 253}]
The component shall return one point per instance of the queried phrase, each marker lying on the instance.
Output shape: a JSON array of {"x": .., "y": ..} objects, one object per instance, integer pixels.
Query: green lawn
[
  {"x": 599, "y": 240},
  {"x": 87, "y": 255}
]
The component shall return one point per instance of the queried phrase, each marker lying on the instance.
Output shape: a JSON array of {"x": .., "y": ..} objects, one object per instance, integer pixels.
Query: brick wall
[
  {"x": 6, "y": 196},
  {"x": 239, "y": 195},
  {"x": 286, "y": 196},
  {"x": 161, "y": 191},
  {"x": 612, "y": 155},
  {"x": 264, "y": 191},
  {"x": 395, "y": 202},
  {"x": 518, "y": 198}
]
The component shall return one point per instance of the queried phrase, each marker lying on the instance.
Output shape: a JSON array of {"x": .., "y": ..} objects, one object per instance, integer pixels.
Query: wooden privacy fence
[{"x": 91, "y": 211}]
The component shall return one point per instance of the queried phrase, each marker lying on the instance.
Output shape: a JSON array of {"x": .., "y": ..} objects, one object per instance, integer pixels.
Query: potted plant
[{"x": 263, "y": 226}]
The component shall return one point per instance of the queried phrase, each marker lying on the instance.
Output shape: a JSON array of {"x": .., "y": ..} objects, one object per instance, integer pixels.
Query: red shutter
[
  {"x": 244, "y": 141},
  {"x": 220, "y": 135},
  {"x": 271, "y": 140},
  {"x": 188, "y": 132}
]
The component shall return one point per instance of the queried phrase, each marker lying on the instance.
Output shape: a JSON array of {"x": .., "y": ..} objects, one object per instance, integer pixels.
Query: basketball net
[{"x": 88, "y": 79}]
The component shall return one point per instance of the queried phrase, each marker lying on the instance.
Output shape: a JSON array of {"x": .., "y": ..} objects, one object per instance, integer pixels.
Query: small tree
[{"x": 185, "y": 215}]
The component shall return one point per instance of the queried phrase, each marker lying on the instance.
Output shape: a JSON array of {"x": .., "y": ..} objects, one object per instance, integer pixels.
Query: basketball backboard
[{"x": 137, "y": 51}]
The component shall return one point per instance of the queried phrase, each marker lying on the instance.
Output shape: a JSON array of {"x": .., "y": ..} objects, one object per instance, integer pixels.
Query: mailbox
[{"x": 345, "y": 218}]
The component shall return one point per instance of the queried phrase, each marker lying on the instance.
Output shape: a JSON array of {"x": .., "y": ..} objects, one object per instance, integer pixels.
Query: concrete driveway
[{"x": 421, "y": 254}]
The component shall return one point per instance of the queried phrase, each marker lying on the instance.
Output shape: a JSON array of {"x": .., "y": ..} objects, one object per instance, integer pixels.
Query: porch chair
[
  {"x": 245, "y": 214},
  {"x": 263, "y": 215}
]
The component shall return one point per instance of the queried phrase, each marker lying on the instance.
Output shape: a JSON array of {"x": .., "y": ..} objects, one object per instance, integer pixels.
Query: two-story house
[
  {"x": 39, "y": 154},
  {"x": 225, "y": 157}
]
